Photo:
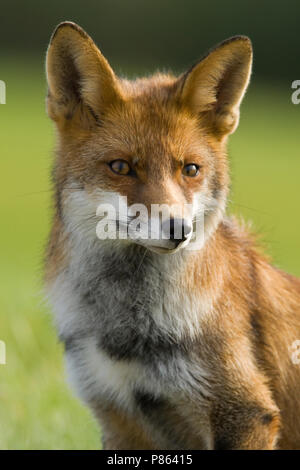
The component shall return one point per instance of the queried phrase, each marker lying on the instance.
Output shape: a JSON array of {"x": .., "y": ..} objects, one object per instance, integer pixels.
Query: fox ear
[
  {"x": 214, "y": 87},
  {"x": 80, "y": 80}
]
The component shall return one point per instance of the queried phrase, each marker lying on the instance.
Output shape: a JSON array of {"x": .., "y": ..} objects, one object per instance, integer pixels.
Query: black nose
[{"x": 176, "y": 230}]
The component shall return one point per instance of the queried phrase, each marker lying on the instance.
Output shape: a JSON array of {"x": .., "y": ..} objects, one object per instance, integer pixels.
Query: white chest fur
[{"x": 96, "y": 365}]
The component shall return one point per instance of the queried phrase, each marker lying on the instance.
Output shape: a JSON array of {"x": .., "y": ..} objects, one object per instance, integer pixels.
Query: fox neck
[
  {"x": 192, "y": 270},
  {"x": 117, "y": 283}
]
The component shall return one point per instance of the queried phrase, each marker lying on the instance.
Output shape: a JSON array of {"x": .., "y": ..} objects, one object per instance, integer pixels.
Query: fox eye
[
  {"x": 121, "y": 167},
  {"x": 190, "y": 170}
]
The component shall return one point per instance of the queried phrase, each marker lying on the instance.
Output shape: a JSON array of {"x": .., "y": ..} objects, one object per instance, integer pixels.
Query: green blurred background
[{"x": 37, "y": 409}]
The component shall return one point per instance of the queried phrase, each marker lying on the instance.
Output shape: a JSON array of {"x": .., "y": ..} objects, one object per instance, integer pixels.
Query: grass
[{"x": 38, "y": 410}]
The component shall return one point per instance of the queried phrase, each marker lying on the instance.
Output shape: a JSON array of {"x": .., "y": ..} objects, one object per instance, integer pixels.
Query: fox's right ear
[{"x": 81, "y": 82}]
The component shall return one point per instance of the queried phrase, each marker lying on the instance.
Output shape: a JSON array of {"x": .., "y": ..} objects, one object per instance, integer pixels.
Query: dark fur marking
[
  {"x": 162, "y": 415},
  {"x": 223, "y": 443},
  {"x": 267, "y": 418},
  {"x": 57, "y": 194},
  {"x": 147, "y": 402},
  {"x": 232, "y": 420},
  {"x": 142, "y": 341},
  {"x": 73, "y": 342},
  {"x": 259, "y": 345},
  {"x": 256, "y": 328},
  {"x": 95, "y": 116},
  {"x": 216, "y": 186},
  {"x": 121, "y": 295}
]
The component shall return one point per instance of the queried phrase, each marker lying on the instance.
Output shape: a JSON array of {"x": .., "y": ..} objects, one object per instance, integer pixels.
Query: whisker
[
  {"x": 247, "y": 207},
  {"x": 51, "y": 190}
]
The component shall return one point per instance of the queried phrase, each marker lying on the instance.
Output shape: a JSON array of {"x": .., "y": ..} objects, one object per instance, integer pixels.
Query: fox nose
[{"x": 176, "y": 230}]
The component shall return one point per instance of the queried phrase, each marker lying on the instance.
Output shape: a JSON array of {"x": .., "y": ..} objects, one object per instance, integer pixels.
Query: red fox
[{"x": 170, "y": 347}]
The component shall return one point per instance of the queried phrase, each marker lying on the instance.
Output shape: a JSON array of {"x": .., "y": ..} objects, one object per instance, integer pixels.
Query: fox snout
[
  {"x": 168, "y": 235},
  {"x": 162, "y": 228},
  {"x": 177, "y": 230}
]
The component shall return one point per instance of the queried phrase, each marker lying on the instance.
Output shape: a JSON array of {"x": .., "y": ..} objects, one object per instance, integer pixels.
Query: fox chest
[
  {"x": 133, "y": 311},
  {"x": 128, "y": 330}
]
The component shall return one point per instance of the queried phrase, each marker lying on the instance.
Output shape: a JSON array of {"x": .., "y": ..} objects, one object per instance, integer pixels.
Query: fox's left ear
[{"x": 214, "y": 87}]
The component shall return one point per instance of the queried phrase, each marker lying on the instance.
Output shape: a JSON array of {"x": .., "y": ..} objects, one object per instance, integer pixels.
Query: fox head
[{"x": 158, "y": 141}]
